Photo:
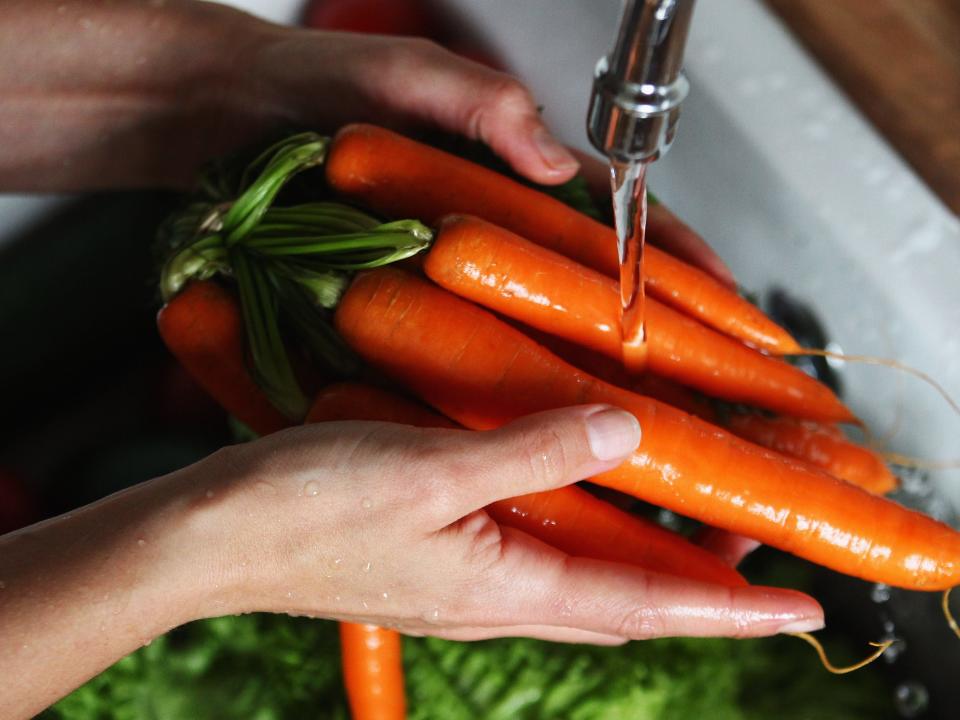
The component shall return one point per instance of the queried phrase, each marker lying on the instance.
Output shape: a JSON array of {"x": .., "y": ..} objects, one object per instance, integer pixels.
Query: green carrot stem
[{"x": 271, "y": 365}]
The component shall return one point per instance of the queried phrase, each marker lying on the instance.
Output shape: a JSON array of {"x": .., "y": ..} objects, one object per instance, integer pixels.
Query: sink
[{"x": 793, "y": 188}]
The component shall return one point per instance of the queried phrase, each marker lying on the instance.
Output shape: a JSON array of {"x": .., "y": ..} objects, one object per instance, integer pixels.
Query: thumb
[{"x": 541, "y": 452}]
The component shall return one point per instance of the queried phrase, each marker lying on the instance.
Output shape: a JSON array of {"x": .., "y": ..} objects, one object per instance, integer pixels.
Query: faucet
[{"x": 638, "y": 87}]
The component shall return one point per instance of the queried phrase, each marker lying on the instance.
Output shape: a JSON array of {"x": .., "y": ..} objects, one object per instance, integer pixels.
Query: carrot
[
  {"x": 373, "y": 672},
  {"x": 482, "y": 373},
  {"x": 203, "y": 328},
  {"x": 504, "y": 272},
  {"x": 822, "y": 445},
  {"x": 568, "y": 518},
  {"x": 400, "y": 177},
  {"x": 358, "y": 401}
]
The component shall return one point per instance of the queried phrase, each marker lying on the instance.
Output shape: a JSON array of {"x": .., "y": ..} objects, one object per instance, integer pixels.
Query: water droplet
[
  {"x": 880, "y": 593},
  {"x": 668, "y": 519},
  {"x": 368, "y": 566},
  {"x": 549, "y": 522},
  {"x": 384, "y": 595},
  {"x": 24, "y": 646},
  {"x": 911, "y": 699},
  {"x": 367, "y": 503},
  {"x": 311, "y": 489},
  {"x": 209, "y": 494},
  {"x": 364, "y": 603},
  {"x": 147, "y": 642},
  {"x": 336, "y": 598},
  {"x": 141, "y": 542},
  {"x": 289, "y": 594},
  {"x": 899, "y": 645},
  {"x": 338, "y": 561},
  {"x": 432, "y": 616}
]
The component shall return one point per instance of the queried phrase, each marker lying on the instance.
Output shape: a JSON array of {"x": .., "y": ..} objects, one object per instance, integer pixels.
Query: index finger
[{"x": 540, "y": 585}]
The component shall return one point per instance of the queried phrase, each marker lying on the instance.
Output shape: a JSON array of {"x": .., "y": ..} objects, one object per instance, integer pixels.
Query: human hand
[
  {"x": 383, "y": 524},
  {"x": 326, "y": 79},
  {"x": 157, "y": 89}
]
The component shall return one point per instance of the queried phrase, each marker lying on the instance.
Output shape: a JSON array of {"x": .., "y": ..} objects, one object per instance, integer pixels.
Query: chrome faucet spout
[{"x": 638, "y": 87}]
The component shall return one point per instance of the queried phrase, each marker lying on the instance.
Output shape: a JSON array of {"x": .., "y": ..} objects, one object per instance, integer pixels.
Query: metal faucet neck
[{"x": 638, "y": 87}]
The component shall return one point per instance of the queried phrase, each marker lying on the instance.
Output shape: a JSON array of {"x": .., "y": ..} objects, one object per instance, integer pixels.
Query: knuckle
[
  {"x": 438, "y": 472},
  {"x": 508, "y": 93},
  {"x": 546, "y": 458},
  {"x": 504, "y": 95}
]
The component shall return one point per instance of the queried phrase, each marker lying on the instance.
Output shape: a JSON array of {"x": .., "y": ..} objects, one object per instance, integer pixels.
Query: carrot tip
[
  {"x": 951, "y": 621},
  {"x": 881, "y": 648}
]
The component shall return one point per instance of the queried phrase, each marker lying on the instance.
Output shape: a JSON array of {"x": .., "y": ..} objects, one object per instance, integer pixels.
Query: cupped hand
[
  {"x": 328, "y": 79},
  {"x": 380, "y": 523}
]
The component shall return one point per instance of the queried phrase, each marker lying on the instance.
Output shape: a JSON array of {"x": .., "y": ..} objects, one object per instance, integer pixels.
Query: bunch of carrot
[{"x": 791, "y": 480}]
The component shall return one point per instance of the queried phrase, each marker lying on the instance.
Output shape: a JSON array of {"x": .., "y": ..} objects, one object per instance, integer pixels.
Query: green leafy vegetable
[{"x": 266, "y": 667}]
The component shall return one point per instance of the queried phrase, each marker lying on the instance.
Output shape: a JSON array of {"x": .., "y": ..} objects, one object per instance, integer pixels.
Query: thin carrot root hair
[
  {"x": 881, "y": 648},
  {"x": 896, "y": 458},
  {"x": 951, "y": 621}
]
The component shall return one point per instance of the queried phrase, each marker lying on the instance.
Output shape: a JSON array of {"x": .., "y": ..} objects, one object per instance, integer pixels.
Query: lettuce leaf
[{"x": 271, "y": 667}]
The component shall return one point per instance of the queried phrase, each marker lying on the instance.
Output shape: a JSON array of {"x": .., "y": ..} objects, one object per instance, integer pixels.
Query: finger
[
  {"x": 729, "y": 547},
  {"x": 465, "y": 97},
  {"x": 539, "y": 585},
  {"x": 535, "y": 453},
  {"x": 667, "y": 231},
  {"x": 596, "y": 173},
  {"x": 552, "y": 633}
]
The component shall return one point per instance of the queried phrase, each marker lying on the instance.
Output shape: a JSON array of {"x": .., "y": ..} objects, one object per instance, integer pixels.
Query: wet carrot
[
  {"x": 822, "y": 445},
  {"x": 400, "y": 177},
  {"x": 482, "y": 373},
  {"x": 568, "y": 518},
  {"x": 203, "y": 328},
  {"x": 373, "y": 672},
  {"x": 506, "y": 273}
]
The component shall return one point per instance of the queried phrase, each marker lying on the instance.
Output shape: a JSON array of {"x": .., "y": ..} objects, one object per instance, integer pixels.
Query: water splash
[
  {"x": 628, "y": 183},
  {"x": 911, "y": 699}
]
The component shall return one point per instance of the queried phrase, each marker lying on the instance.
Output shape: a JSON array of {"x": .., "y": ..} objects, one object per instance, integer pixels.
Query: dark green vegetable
[{"x": 263, "y": 667}]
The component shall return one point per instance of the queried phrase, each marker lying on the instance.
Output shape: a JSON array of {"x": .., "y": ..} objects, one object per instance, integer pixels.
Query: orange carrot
[
  {"x": 358, "y": 401},
  {"x": 482, "y": 373},
  {"x": 568, "y": 518},
  {"x": 203, "y": 328},
  {"x": 400, "y": 177},
  {"x": 373, "y": 672},
  {"x": 504, "y": 272},
  {"x": 819, "y": 444}
]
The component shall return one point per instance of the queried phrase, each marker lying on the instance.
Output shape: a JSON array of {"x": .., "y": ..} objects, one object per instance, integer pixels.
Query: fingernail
[
  {"x": 799, "y": 626},
  {"x": 553, "y": 153},
  {"x": 612, "y": 433}
]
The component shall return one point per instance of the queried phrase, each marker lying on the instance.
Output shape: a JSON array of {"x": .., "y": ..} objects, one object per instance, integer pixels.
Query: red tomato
[{"x": 381, "y": 17}]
